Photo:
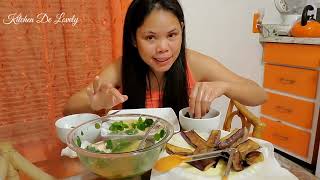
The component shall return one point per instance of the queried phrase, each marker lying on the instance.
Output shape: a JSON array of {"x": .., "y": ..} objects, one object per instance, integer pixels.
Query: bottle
[{"x": 257, "y": 21}]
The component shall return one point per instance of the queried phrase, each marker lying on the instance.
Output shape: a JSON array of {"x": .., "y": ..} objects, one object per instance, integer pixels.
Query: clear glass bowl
[{"x": 118, "y": 165}]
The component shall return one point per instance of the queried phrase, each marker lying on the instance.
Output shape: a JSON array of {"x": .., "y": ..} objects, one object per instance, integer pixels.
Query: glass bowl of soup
[{"x": 117, "y": 146}]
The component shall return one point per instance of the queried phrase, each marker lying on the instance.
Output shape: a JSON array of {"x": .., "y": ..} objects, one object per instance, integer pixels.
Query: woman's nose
[{"x": 162, "y": 46}]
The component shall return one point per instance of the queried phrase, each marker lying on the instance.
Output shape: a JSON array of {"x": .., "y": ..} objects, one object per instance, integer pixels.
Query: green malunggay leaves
[
  {"x": 159, "y": 135},
  {"x": 118, "y": 126},
  {"x": 97, "y": 125},
  {"x": 93, "y": 149},
  {"x": 148, "y": 122},
  {"x": 131, "y": 131},
  {"x": 109, "y": 144},
  {"x": 78, "y": 141},
  {"x": 141, "y": 125}
]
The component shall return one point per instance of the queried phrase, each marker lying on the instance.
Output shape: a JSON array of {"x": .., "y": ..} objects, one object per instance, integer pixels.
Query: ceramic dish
[{"x": 268, "y": 169}]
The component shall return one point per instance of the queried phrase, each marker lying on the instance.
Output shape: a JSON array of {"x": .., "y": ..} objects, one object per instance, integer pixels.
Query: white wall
[{"x": 222, "y": 29}]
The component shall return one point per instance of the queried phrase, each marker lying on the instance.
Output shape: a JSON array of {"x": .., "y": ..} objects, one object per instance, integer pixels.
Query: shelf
[{"x": 269, "y": 34}]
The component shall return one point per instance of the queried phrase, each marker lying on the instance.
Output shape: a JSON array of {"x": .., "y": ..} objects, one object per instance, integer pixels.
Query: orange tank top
[{"x": 153, "y": 98}]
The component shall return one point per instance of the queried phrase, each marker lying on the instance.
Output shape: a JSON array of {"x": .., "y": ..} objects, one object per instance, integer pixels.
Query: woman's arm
[
  {"x": 80, "y": 101},
  {"x": 217, "y": 80}
]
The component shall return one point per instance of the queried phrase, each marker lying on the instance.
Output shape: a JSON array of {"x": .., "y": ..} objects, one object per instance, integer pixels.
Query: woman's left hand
[{"x": 202, "y": 96}]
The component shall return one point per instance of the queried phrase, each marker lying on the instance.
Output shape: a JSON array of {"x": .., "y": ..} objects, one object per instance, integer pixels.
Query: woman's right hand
[{"x": 104, "y": 96}]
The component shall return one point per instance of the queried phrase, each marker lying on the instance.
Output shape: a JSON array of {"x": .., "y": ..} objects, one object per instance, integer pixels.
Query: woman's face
[{"x": 159, "y": 40}]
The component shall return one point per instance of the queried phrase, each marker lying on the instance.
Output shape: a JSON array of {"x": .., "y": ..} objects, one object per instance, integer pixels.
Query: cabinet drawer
[
  {"x": 292, "y": 54},
  {"x": 286, "y": 137},
  {"x": 292, "y": 110},
  {"x": 297, "y": 81}
]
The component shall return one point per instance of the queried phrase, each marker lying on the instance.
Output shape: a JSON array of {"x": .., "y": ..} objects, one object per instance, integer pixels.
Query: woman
[{"x": 157, "y": 71}]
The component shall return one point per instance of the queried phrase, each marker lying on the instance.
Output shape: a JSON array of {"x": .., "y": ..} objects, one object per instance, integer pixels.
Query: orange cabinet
[
  {"x": 288, "y": 109},
  {"x": 291, "y": 75},
  {"x": 292, "y": 54},
  {"x": 287, "y": 137},
  {"x": 297, "y": 81}
]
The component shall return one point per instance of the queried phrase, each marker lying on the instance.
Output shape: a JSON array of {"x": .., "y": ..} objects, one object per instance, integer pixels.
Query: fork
[
  {"x": 231, "y": 152},
  {"x": 166, "y": 163}
]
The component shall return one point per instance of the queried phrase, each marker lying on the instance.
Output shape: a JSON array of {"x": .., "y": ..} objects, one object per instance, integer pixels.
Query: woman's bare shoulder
[
  {"x": 206, "y": 68},
  {"x": 201, "y": 64}
]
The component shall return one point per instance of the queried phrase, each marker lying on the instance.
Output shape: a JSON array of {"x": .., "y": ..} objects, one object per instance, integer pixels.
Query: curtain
[{"x": 43, "y": 63}]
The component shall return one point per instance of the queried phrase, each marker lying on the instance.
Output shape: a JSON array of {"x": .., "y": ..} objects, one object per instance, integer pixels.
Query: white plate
[
  {"x": 268, "y": 169},
  {"x": 164, "y": 113}
]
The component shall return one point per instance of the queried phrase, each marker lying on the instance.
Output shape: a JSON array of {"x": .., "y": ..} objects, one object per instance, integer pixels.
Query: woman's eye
[
  {"x": 172, "y": 35},
  {"x": 150, "y": 38}
]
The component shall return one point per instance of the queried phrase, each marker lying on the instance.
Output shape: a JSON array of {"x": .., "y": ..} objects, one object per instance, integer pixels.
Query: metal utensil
[
  {"x": 231, "y": 152},
  {"x": 106, "y": 117},
  {"x": 172, "y": 161},
  {"x": 142, "y": 143},
  {"x": 207, "y": 155}
]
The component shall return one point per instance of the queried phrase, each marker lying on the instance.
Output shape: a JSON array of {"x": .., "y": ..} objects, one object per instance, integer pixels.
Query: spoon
[
  {"x": 142, "y": 143},
  {"x": 106, "y": 117},
  {"x": 169, "y": 162}
]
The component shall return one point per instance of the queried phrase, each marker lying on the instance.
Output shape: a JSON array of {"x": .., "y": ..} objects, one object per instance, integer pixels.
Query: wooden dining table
[
  {"x": 47, "y": 156},
  {"x": 60, "y": 167},
  {"x": 63, "y": 167}
]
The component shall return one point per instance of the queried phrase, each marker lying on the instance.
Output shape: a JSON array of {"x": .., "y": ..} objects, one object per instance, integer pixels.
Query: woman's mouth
[{"x": 162, "y": 59}]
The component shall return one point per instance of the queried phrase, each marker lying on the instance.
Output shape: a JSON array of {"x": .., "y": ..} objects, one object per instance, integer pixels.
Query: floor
[{"x": 295, "y": 169}]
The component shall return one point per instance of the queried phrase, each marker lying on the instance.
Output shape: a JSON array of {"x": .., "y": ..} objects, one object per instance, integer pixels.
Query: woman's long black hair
[{"x": 135, "y": 70}]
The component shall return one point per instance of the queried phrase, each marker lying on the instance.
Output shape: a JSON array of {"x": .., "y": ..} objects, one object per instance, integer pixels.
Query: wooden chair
[{"x": 247, "y": 119}]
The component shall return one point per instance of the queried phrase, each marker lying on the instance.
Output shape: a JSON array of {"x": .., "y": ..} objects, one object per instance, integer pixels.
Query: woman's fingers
[
  {"x": 104, "y": 95},
  {"x": 192, "y": 99},
  {"x": 105, "y": 86},
  {"x": 205, "y": 104},
  {"x": 114, "y": 97},
  {"x": 117, "y": 94},
  {"x": 199, "y": 99},
  {"x": 95, "y": 84},
  {"x": 90, "y": 93},
  {"x": 125, "y": 97}
]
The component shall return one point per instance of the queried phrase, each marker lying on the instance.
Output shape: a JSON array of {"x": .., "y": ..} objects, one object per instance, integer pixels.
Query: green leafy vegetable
[
  {"x": 78, "y": 141},
  {"x": 120, "y": 146},
  {"x": 97, "y": 125},
  {"x": 134, "y": 126},
  {"x": 159, "y": 135},
  {"x": 140, "y": 124},
  {"x": 118, "y": 126},
  {"x": 162, "y": 133},
  {"x": 131, "y": 131},
  {"x": 109, "y": 144},
  {"x": 148, "y": 122},
  {"x": 93, "y": 149}
]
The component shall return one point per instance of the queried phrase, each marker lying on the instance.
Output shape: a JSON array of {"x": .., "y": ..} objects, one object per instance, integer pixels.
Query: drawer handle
[
  {"x": 281, "y": 137},
  {"x": 283, "y": 109},
  {"x": 287, "y": 81}
]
